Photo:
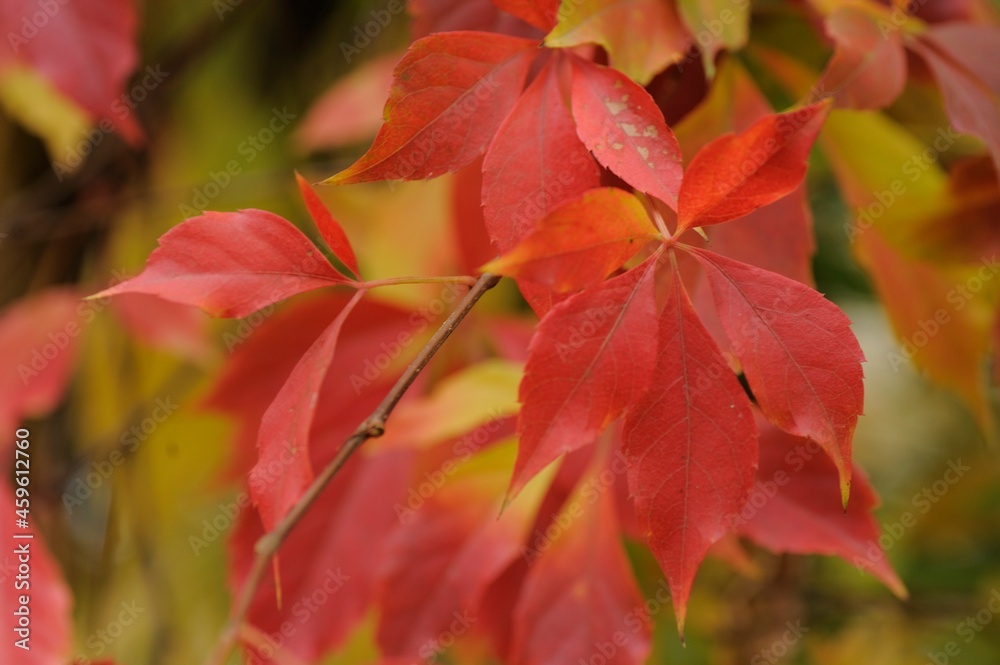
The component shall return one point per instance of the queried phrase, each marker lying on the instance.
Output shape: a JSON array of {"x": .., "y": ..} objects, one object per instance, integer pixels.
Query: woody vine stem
[{"x": 371, "y": 427}]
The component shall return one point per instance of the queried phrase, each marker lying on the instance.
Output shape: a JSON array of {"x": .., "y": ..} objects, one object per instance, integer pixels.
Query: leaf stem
[
  {"x": 371, "y": 427},
  {"x": 397, "y": 281}
]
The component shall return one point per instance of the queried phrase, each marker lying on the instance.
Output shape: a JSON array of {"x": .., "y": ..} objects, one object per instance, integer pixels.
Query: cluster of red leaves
[{"x": 633, "y": 369}]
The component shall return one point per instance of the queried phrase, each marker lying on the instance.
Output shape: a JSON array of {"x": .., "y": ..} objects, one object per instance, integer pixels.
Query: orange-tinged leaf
[
  {"x": 283, "y": 441},
  {"x": 620, "y": 123},
  {"x": 797, "y": 350},
  {"x": 579, "y": 591},
  {"x": 803, "y": 515},
  {"x": 589, "y": 359},
  {"x": 231, "y": 264},
  {"x": 329, "y": 228},
  {"x": 943, "y": 327},
  {"x": 691, "y": 446},
  {"x": 580, "y": 243},
  {"x": 642, "y": 37},
  {"x": 967, "y": 229},
  {"x": 957, "y": 54},
  {"x": 449, "y": 95},
  {"x": 738, "y": 173},
  {"x": 868, "y": 68}
]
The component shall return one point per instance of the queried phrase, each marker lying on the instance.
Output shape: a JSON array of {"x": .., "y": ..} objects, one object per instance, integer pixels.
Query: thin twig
[{"x": 371, "y": 427}]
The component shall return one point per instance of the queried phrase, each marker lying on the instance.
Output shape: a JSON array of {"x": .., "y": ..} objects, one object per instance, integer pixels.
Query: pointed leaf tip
[{"x": 331, "y": 230}]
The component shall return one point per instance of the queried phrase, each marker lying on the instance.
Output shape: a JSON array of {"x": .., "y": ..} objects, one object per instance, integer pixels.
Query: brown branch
[{"x": 371, "y": 427}]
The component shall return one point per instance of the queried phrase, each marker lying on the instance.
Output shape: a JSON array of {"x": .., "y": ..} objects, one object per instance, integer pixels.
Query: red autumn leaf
[
  {"x": 449, "y": 95},
  {"x": 738, "y": 173},
  {"x": 580, "y": 243},
  {"x": 621, "y": 124},
  {"x": 797, "y": 350},
  {"x": 579, "y": 592},
  {"x": 285, "y": 427},
  {"x": 328, "y": 583},
  {"x": 350, "y": 110},
  {"x": 642, "y": 37},
  {"x": 589, "y": 359},
  {"x": 231, "y": 264},
  {"x": 37, "y": 617},
  {"x": 691, "y": 446},
  {"x": 39, "y": 336},
  {"x": 539, "y": 13},
  {"x": 793, "y": 508},
  {"x": 969, "y": 82},
  {"x": 85, "y": 49},
  {"x": 536, "y": 162},
  {"x": 868, "y": 67},
  {"x": 447, "y": 553},
  {"x": 329, "y": 228}
]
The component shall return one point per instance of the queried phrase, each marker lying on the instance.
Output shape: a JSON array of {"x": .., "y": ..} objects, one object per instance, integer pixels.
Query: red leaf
[
  {"x": 231, "y": 264},
  {"x": 539, "y": 13},
  {"x": 329, "y": 228},
  {"x": 691, "y": 447},
  {"x": 536, "y": 162},
  {"x": 622, "y": 126},
  {"x": 329, "y": 575},
  {"x": 794, "y": 508},
  {"x": 431, "y": 16},
  {"x": 581, "y": 242},
  {"x": 737, "y": 173},
  {"x": 49, "y": 602},
  {"x": 450, "y": 93},
  {"x": 283, "y": 441},
  {"x": 589, "y": 359},
  {"x": 85, "y": 49},
  {"x": 447, "y": 553},
  {"x": 958, "y": 55},
  {"x": 39, "y": 336},
  {"x": 799, "y": 355},
  {"x": 868, "y": 68},
  {"x": 579, "y": 593}
]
